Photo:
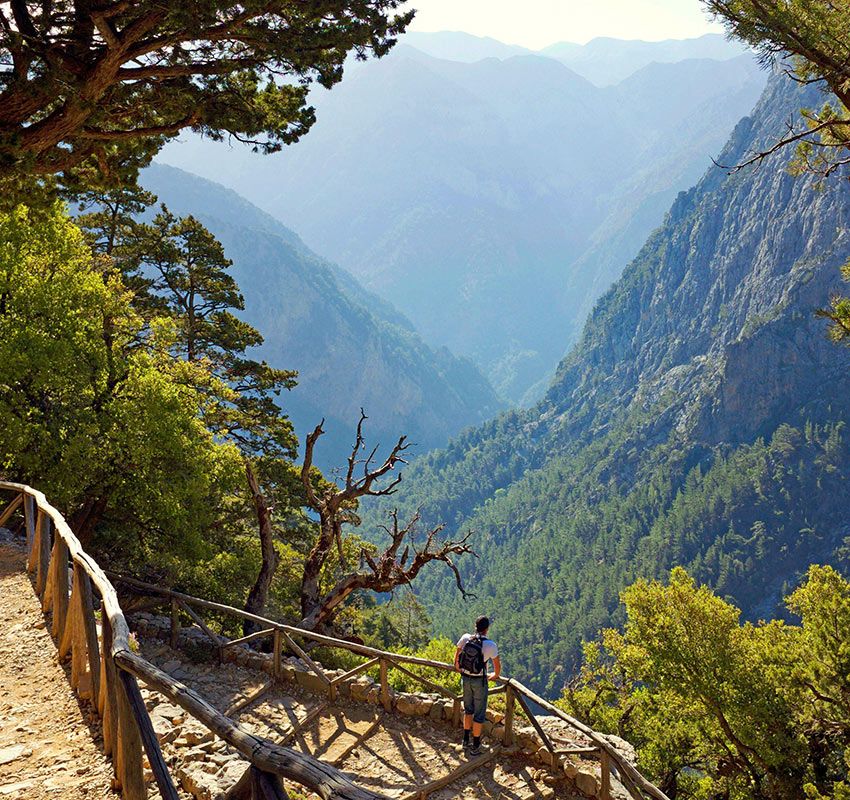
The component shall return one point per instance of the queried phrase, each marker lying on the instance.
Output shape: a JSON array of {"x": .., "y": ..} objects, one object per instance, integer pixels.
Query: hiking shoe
[
  {"x": 475, "y": 750},
  {"x": 467, "y": 743}
]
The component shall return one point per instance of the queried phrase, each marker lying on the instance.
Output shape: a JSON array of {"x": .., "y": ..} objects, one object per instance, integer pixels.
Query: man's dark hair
[{"x": 482, "y": 624}]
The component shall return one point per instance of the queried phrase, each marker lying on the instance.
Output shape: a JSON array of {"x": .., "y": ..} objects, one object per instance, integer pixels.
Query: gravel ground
[{"x": 49, "y": 740}]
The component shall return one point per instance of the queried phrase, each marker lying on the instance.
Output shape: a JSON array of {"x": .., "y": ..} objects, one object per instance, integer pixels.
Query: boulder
[
  {"x": 408, "y": 704},
  {"x": 373, "y": 696},
  {"x": 587, "y": 782},
  {"x": 196, "y": 782},
  {"x": 361, "y": 687},
  {"x": 311, "y": 682}
]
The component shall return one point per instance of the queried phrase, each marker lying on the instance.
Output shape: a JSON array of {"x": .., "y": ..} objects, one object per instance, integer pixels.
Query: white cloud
[{"x": 537, "y": 23}]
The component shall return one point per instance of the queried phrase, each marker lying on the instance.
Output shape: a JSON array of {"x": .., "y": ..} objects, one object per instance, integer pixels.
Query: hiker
[{"x": 474, "y": 651}]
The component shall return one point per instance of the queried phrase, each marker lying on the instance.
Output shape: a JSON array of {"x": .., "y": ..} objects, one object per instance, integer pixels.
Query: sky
[{"x": 537, "y": 23}]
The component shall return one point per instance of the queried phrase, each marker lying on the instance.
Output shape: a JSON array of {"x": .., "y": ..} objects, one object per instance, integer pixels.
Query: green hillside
[{"x": 699, "y": 421}]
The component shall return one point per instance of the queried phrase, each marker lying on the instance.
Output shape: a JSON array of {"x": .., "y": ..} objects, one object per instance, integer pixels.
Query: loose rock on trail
[{"x": 50, "y": 742}]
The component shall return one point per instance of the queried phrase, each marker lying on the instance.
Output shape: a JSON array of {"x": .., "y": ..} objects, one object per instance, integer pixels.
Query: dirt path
[
  {"x": 49, "y": 746},
  {"x": 390, "y": 754}
]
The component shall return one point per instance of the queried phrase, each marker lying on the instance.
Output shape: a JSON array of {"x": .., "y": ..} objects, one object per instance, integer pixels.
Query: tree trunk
[
  {"x": 259, "y": 595},
  {"x": 86, "y": 518},
  {"x": 310, "y": 590},
  {"x": 319, "y": 614}
]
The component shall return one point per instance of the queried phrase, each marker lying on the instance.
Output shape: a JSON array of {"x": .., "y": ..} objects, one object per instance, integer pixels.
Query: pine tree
[
  {"x": 94, "y": 85},
  {"x": 188, "y": 274}
]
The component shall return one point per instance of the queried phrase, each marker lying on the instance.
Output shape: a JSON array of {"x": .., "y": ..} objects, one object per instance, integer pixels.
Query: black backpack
[{"x": 471, "y": 659}]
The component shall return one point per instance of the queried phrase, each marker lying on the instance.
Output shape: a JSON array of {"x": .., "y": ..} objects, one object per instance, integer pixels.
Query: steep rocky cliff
[
  {"x": 723, "y": 292},
  {"x": 699, "y": 420}
]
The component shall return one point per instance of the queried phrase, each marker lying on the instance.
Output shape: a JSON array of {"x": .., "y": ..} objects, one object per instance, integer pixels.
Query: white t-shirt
[{"x": 488, "y": 648}]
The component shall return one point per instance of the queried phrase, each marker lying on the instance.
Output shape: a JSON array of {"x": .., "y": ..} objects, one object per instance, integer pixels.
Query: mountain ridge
[
  {"x": 347, "y": 345},
  {"x": 699, "y": 420},
  {"x": 474, "y": 197},
  {"x": 603, "y": 60}
]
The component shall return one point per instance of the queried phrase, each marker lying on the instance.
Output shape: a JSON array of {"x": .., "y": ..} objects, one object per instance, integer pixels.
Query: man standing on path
[{"x": 474, "y": 651}]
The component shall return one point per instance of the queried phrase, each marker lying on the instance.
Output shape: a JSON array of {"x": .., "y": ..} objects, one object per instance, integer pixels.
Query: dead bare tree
[
  {"x": 259, "y": 594},
  {"x": 397, "y": 565}
]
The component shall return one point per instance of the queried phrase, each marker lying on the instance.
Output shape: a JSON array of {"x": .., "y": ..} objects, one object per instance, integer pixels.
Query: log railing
[
  {"x": 516, "y": 693},
  {"x": 105, "y": 669}
]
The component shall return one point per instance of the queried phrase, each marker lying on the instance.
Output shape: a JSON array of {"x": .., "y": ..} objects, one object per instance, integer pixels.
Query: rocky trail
[
  {"x": 50, "y": 742},
  {"x": 390, "y": 754}
]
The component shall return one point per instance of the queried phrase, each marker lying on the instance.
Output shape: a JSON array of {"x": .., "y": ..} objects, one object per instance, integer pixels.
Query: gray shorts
[{"x": 475, "y": 696}]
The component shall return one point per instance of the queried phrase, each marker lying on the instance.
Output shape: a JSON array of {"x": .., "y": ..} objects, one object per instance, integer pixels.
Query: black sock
[
  {"x": 466, "y": 735},
  {"x": 476, "y": 742}
]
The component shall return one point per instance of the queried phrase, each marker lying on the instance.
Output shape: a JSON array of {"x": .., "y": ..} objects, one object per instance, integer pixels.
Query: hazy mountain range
[
  {"x": 603, "y": 61},
  {"x": 351, "y": 349},
  {"x": 492, "y": 202},
  {"x": 699, "y": 421}
]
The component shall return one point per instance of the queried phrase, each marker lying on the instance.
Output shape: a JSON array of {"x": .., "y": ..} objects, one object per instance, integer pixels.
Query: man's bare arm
[{"x": 497, "y": 668}]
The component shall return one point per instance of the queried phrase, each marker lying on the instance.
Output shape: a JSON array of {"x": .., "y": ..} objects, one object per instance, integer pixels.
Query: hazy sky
[{"x": 536, "y": 23}]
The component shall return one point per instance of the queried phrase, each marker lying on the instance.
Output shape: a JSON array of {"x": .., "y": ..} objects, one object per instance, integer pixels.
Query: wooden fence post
[
  {"x": 385, "y": 687},
  {"x": 129, "y": 746},
  {"x": 75, "y": 633},
  {"x": 175, "y": 623},
  {"x": 69, "y": 639},
  {"x": 108, "y": 711},
  {"x": 510, "y": 702},
  {"x": 59, "y": 563},
  {"x": 29, "y": 525},
  {"x": 42, "y": 539},
  {"x": 605, "y": 763},
  {"x": 148, "y": 736},
  {"x": 277, "y": 644},
  {"x": 32, "y": 536},
  {"x": 89, "y": 625}
]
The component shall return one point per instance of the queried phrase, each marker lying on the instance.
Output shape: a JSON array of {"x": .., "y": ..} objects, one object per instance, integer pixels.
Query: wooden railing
[
  {"x": 68, "y": 582},
  {"x": 516, "y": 693},
  {"x": 114, "y": 667}
]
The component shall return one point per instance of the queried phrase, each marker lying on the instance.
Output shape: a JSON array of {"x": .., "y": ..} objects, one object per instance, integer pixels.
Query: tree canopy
[
  {"x": 815, "y": 34},
  {"x": 721, "y": 708},
  {"x": 76, "y": 387},
  {"x": 110, "y": 82}
]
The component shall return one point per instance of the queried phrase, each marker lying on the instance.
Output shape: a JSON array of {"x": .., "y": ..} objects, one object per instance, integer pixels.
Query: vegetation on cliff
[{"x": 699, "y": 421}]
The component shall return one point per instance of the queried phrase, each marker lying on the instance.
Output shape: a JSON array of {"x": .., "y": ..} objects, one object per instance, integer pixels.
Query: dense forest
[{"x": 699, "y": 422}]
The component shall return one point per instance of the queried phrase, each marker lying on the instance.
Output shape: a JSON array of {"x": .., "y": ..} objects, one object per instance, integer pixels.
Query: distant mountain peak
[
  {"x": 604, "y": 60},
  {"x": 460, "y": 46}
]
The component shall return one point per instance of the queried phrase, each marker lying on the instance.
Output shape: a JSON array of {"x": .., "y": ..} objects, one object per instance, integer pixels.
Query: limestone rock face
[
  {"x": 715, "y": 316},
  {"x": 707, "y": 343}
]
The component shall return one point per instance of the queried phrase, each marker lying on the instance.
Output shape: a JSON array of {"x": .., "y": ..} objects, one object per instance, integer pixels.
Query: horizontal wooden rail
[
  {"x": 629, "y": 776},
  {"x": 250, "y": 637},
  {"x": 126, "y": 732},
  {"x": 53, "y": 555}
]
